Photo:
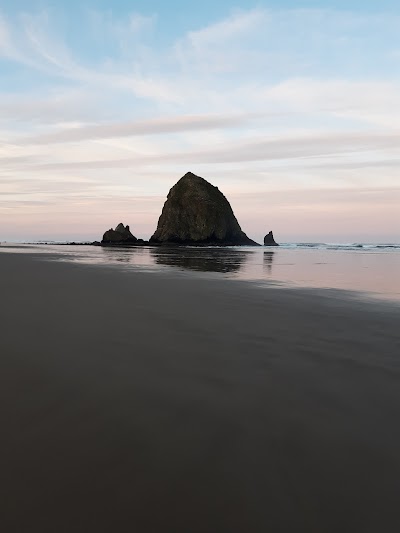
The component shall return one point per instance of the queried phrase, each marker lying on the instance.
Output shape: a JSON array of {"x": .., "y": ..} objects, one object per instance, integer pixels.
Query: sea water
[{"x": 372, "y": 269}]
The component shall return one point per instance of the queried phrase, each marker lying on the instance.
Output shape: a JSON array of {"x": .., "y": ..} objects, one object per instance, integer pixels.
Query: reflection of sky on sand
[
  {"x": 373, "y": 271},
  {"x": 364, "y": 271}
]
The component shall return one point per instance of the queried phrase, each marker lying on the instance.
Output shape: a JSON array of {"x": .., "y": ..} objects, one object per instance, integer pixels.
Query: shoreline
[
  {"x": 229, "y": 263},
  {"x": 161, "y": 402}
]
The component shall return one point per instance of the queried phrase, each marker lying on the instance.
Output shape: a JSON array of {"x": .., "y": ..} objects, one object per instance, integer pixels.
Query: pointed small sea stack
[
  {"x": 197, "y": 213},
  {"x": 269, "y": 240}
]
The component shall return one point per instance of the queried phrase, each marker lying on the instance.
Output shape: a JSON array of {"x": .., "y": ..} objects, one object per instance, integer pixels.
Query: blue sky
[{"x": 291, "y": 108}]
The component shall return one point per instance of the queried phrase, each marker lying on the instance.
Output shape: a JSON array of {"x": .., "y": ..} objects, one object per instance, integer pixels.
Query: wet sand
[{"x": 132, "y": 401}]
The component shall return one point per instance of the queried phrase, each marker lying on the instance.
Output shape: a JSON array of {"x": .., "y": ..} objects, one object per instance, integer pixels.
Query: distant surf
[{"x": 342, "y": 246}]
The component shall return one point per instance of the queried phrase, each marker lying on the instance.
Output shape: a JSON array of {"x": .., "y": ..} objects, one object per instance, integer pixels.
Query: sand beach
[{"x": 147, "y": 402}]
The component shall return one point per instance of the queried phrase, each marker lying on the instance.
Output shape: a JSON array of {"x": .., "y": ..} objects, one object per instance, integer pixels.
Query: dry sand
[{"x": 139, "y": 402}]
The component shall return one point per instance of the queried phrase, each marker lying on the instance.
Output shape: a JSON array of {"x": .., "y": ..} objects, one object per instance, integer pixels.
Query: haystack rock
[
  {"x": 120, "y": 235},
  {"x": 269, "y": 240},
  {"x": 197, "y": 213}
]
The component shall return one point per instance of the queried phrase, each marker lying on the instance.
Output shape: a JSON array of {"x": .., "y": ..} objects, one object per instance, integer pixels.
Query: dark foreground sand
[{"x": 134, "y": 402}]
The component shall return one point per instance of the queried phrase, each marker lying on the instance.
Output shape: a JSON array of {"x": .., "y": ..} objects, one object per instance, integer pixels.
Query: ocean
[{"x": 371, "y": 270}]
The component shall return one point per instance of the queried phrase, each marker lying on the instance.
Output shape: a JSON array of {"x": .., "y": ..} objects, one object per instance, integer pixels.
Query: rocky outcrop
[
  {"x": 197, "y": 213},
  {"x": 269, "y": 240},
  {"x": 120, "y": 235}
]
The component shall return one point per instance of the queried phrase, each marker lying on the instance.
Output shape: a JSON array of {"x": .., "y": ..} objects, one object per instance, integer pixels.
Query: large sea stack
[
  {"x": 197, "y": 213},
  {"x": 120, "y": 235}
]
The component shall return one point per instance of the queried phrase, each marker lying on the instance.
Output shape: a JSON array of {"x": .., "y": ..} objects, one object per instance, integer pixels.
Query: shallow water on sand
[{"x": 373, "y": 270}]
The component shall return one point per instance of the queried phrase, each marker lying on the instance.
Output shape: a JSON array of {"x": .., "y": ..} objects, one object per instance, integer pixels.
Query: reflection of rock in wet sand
[
  {"x": 200, "y": 259},
  {"x": 120, "y": 255},
  {"x": 268, "y": 260}
]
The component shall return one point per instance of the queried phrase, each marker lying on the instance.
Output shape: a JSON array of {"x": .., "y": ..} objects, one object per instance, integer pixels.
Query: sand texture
[{"x": 139, "y": 402}]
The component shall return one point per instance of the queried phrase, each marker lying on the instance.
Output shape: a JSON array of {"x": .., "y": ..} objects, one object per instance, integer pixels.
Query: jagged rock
[
  {"x": 121, "y": 234},
  {"x": 196, "y": 212},
  {"x": 269, "y": 240}
]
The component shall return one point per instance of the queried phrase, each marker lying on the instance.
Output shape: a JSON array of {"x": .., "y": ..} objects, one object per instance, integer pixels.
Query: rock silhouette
[
  {"x": 197, "y": 213},
  {"x": 121, "y": 235},
  {"x": 269, "y": 240}
]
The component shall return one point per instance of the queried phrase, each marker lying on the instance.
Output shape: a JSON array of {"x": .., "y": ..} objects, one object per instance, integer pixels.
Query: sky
[{"x": 291, "y": 108}]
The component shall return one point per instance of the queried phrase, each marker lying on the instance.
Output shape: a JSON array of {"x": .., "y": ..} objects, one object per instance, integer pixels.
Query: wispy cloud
[
  {"x": 232, "y": 27},
  {"x": 285, "y": 149},
  {"x": 252, "y": 101},
  {"x": 182, "y": 123}
]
